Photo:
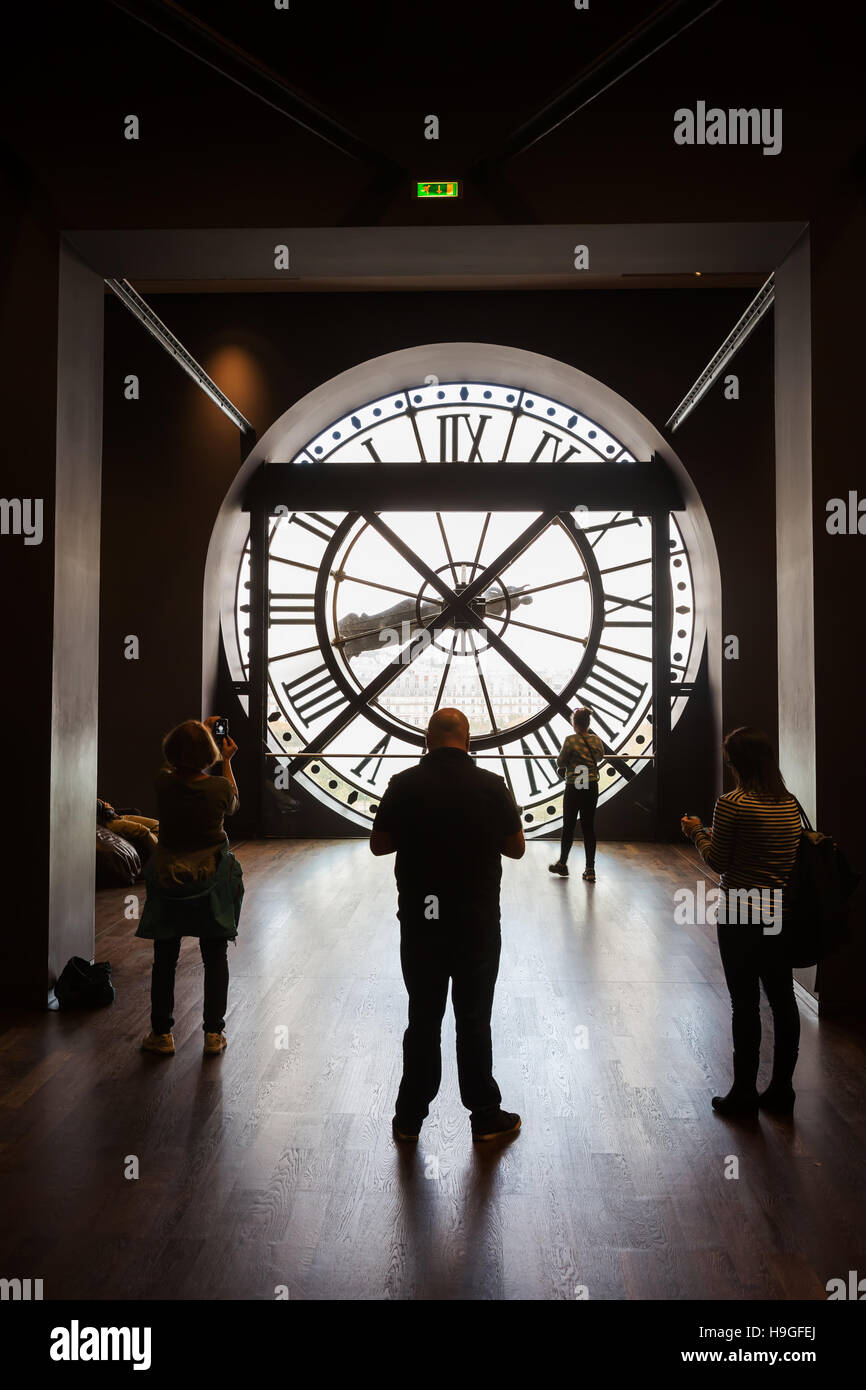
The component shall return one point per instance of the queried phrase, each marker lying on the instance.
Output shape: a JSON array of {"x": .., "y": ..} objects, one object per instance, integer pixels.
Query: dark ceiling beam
[
  {"x": 639, "y": 487},
  {"x": 203, "y": 43},
  {"x": 665, "y": 24}
]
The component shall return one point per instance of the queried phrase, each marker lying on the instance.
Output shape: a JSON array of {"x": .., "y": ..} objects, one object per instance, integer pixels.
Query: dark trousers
[
  {"x": 431, "y": 953},
  {"x": 578, "y": 801},
  {"x": 751, "y": 959},
  {"x": 216, "y": 983}
]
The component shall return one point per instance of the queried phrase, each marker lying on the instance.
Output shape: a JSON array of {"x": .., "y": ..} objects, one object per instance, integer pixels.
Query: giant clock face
[{"x": 377, "y": 620}]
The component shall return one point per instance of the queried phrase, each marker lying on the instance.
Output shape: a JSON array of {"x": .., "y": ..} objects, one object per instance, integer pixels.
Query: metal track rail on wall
[
  {"x": 742, "y": 329},
  {"x": 166, "y": 339}
]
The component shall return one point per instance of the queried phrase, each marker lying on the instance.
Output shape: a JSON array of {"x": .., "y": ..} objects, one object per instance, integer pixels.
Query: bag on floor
[
  {"x": 84, "y": 984},
  {"x": 818, "y": 889}
]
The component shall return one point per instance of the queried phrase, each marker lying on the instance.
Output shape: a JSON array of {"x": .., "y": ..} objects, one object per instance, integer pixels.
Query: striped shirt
[
  {"x": 581, "y": 750},
  {"x": 753, "y": 843}
]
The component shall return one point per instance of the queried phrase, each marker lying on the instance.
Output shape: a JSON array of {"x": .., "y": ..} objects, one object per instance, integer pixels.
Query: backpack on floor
[
  {"x": 84, "y": 984},
  {"x": 818, "y": 889}
]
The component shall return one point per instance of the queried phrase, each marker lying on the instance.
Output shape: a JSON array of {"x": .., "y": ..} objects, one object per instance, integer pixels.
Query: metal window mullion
[
  {"x": 258, "y": 687},
  {"x": 661, "y": 654}
]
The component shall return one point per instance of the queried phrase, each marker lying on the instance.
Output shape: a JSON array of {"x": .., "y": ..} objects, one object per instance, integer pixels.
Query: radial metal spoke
[
  {"x": 460, "y": 604},
  {"x": 447, "y": 548},
  {"x": 297, "y": 564},
  {"x": 481, "y": 543},
  {"x": 603, "y": 647},
  {"x": 554, "y": 584},
  {"x": 566, "y": 636},
  {"x": 629, "y": 564},
  {"x": 339, "y": 575},
  {"x": 447, "y": 668},
  {"x": 491, "y": 716}
]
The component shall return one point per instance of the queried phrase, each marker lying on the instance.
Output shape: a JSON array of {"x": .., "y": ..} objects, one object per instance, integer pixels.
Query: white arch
[{"x": 489, "y": 362}]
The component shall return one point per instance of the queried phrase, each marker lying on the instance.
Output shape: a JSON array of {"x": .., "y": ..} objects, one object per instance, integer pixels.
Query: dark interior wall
[
  {"x": 28, "y": 330},
  {"x": 169, "y": 458},
  {"x": 838, "y": 310},
  {"x": 727, "y": 446}
]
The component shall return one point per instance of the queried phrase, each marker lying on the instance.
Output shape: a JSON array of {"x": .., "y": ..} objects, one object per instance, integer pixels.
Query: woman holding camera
[
  {"x": 753, "y": 845},
  {"x": 194, "y": 883}
]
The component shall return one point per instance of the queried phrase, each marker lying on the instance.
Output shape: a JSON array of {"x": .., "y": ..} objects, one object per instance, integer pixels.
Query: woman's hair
[
  {"x": 580, "y": 719},
  {"x": 190, "y": 747},
  {"x": 752, "y": 758}
]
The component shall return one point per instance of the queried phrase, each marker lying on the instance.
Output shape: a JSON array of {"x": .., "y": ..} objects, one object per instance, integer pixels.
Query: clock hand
[
  {"x": 358, "y": 633},
  {"x": 363, "y": 632}
]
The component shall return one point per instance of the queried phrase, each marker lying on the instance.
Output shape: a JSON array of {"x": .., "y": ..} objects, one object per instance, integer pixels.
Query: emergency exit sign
[{"x": 438, "y": 190}]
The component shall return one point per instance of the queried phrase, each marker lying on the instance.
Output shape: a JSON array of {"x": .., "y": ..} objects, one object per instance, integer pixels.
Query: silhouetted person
[
  {"x": 753, "y": 845},
  {"x": 578, "y": 760},
  {"x": 449, "y": 821},
  {"x": 194, "y": 882}
]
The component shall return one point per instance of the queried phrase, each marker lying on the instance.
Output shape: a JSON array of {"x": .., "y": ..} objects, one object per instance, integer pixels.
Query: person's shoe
[
  {"x": 404, "y": 1132},
  {"x": 214, "y": 1042},
  {"x": 561, "y": 869},
  {"x": 736, "y": 1103},
  {"x": 777, "y": 1100},
  {"x": 494, "y": 1125},
  {"x": 159, "y": 1042},
  {"x": 589, "y": 875}
]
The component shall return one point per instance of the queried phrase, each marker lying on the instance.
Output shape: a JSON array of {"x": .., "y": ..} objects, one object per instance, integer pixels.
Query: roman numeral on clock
[
  {"x": 545, "y": 738},
  {"x": 643, "y": 604},
  {"x": 455, "y": 435},
  {"x": 315, "y": 693},
  {"x": 381, "y": 747},
  {"x": 554, "y": 457},
  {"x": 619, "y": 695},
  {"x": 322, "y": 528},
  {"x": 290, "y": 609}
]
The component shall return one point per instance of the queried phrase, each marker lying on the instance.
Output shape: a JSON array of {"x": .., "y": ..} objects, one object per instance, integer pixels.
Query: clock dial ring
[{"x": 482, "y": 742}]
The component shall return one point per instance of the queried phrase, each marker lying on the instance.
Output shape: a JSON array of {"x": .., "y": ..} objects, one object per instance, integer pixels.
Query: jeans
[
  {"x": 749, "y": 960},
  {"x": 579, "y": 801},
  {"x": 431, "y": 953},
  {"x": 216, "y": 983},
  {"x": 141, "y": 831}
]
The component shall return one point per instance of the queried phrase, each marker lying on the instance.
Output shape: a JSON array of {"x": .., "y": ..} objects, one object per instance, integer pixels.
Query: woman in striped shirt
[
  {"x": 578, "y": 759},
  {"x": 752, "y": 845}
]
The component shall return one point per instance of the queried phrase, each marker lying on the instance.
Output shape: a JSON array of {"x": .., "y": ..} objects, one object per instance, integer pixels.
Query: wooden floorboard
[{"x": 269, "y": 1166}]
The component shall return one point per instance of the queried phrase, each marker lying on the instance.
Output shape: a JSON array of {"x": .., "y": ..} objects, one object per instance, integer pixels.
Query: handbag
[
  {"x": 819, "y": 888},
  {"x": 84, "y": 984}
]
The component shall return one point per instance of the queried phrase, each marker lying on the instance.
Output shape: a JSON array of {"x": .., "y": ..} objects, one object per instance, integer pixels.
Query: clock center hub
[{"x": 492, "y": 607}]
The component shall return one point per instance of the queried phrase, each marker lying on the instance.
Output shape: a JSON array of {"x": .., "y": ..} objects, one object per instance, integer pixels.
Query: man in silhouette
[{"x": 449, "y": 822}]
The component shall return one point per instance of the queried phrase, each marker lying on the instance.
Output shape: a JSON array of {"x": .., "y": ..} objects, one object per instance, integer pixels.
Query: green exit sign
[{"x": 438, "y": 190}]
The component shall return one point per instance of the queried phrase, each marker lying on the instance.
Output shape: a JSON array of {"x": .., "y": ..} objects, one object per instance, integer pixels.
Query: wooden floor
[{"x": 268, "y": 1167}]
